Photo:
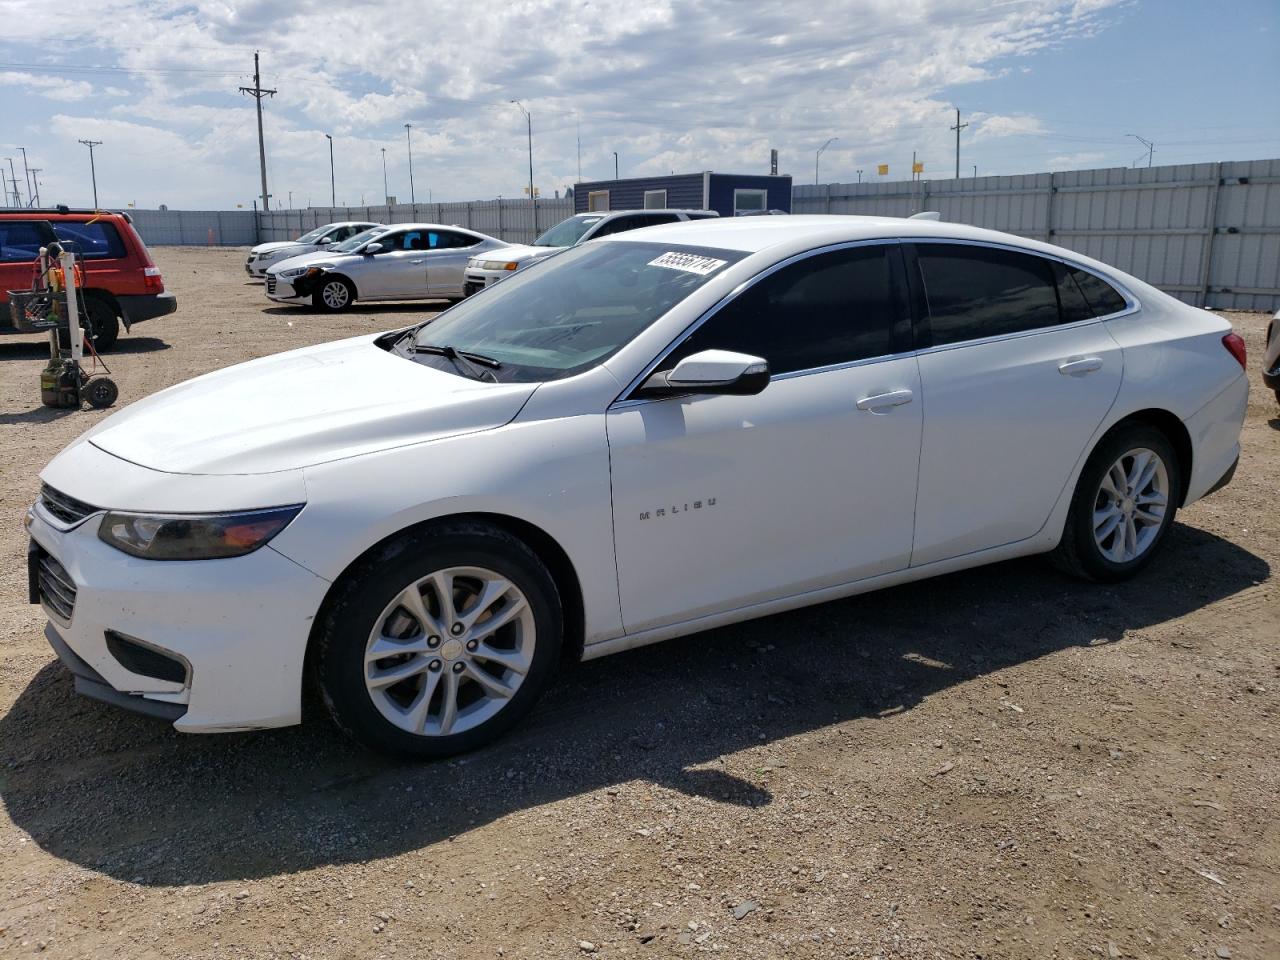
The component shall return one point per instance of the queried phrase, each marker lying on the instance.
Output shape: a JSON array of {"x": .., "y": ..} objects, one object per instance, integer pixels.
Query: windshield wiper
[{"x": 463, "y": 359}]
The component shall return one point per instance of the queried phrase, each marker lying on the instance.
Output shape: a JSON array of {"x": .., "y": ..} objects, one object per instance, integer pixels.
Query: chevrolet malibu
[{"x": 641, "y": 438}]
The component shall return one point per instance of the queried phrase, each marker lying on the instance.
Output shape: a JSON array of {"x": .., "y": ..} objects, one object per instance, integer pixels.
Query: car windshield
[
  {"x": 313, "y": 236},
  {"x": 570, "y": 312},
  {"x": 360, "y": 239},
  {"x": 567, "y": 232}
]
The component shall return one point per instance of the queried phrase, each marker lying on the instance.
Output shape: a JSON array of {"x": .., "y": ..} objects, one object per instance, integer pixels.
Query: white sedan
[
  {"x": 643, "y": 437},
  {"x": 266, "y": 255},
  {"x": 408, "y": 261}
]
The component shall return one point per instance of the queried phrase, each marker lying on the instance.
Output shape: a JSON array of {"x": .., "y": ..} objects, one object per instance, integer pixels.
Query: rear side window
[
  {"x": 21, "y": 240},
  {"x": 96, "y": 241},
  {"x": 975, "y": 292},
  {"x": 827, "y": 309},
  {"x": 1103, "y": 298}
]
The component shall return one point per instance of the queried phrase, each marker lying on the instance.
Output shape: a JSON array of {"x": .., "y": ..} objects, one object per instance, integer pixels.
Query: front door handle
[
  {"x": 1078, "y": 368},
  {"x": 417, "y": 261},
  {"x": 882, "y": 401}
]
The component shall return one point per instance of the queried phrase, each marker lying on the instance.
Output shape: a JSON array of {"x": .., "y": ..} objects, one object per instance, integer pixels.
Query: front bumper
[
  {"x": 284, "y": 291},
  {"x": 240, "y": 625},
  {"x": 475, "y": 279}
]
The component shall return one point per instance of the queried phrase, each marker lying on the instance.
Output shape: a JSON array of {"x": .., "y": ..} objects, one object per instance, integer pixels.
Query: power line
[{"x": 258, "y": 93}]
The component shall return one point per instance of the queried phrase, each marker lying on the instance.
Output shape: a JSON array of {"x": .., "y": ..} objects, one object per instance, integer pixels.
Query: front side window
[
  {"x": 94, "y": 241},
  {"x": 313, "y": 236},
  {"x": 827, "y": 309},
  {"x": 975, "y": 292},
  {"x": 572, "y": 311}
]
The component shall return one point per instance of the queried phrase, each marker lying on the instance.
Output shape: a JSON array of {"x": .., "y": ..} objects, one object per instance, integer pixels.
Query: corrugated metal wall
[
  {"x": 510, "y": 220},
  {"x": 684, "y": 191},
  {"x": 187, "y": 227},
  {"x": 1208, "y": 233}
]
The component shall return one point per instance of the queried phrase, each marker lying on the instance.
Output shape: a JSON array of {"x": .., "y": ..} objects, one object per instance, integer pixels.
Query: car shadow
[
  {"x": 417, "y": 306},
  {"x": 39, "y": 349},
  {"x": 131, "y": 798}
]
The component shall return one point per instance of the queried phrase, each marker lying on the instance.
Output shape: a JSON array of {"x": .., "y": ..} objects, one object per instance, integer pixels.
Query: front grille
[
  {"x": 65, "y": 508},
  {"x": 57, "y": 589},
  {"x": 271, "y": 284}
]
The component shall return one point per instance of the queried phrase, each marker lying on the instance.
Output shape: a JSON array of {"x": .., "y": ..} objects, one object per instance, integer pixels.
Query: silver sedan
[{"x": 408, "y": 261}]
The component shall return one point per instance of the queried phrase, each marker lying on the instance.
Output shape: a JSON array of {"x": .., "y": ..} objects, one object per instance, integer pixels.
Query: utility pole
[
  {"x": 26, "y": 170},
  {"x": 385, "y": 192},
  {"x": 93, "y": 171},
  {"x": 35, "y": 183},
  {"x": 957, "y": 128},
  {"x": 333, "y": 191},
  {"x": 12, "y": 181},
  {"x": 818, "y": 156},
  {"x": 533, "y": 197},
  {"x": 975, "y": 171},
  {"x": 1151, "y": 147},
  {"x": 258, "y": 93},
  {"x": 413, "y": 198},
  {"x": 580, "y": 148}
]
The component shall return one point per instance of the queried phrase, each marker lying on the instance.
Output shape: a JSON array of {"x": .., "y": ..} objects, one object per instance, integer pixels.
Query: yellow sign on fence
[
  {"x": 883, "y": 169},
  {"x": 917, "y": 168}
]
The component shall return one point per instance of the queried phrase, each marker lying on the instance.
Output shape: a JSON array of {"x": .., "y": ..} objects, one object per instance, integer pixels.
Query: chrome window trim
[{"x": 622, "y": 400}]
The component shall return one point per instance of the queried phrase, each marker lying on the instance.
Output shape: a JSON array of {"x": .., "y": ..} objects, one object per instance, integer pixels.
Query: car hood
[
  {"x": 301, "y": 408},
  {"x": 518, "y": 252},
  {"x": 277, "y": 245},
  {"x": 306, "y": 259}
]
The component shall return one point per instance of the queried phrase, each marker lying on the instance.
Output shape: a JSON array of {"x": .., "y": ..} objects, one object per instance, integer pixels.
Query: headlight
[
  {"x": 194, "y": 536},
  {"x": 267, "y": 255},
  {"x": 499, "y": 265},
  {"x": 294, "y": 272}
]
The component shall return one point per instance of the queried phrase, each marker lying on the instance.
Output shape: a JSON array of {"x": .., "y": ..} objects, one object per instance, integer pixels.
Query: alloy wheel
[
  {"x": 335, "y": 294},
  {"x": 1130, "y": 505},
  {"x": 449, "y": 651}
]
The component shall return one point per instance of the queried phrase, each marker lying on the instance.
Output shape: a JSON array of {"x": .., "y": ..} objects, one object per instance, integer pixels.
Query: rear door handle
[
  {"x": 1078, "y": 368},
  {"x": 417, "y": 261},
  {"x": 882, "y": 401}
]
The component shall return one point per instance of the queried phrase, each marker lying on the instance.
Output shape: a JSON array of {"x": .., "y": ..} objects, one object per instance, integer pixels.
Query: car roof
[
  {"x": 429, "y": 226},
  {"x": 754, "y": 234}
]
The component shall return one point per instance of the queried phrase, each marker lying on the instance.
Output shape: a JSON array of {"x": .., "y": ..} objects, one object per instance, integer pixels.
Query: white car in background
[
  {"x": 268, "y": 254},
  {"x": 659, "y": 433},
  {"x": 408, "y": 261},
  {"x": 483, "y": 271}
]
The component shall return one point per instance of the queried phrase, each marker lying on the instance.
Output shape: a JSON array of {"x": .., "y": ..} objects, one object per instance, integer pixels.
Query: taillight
[
  {"x": 152, "y": 282},
  {"x": 1235, "y": 346}
]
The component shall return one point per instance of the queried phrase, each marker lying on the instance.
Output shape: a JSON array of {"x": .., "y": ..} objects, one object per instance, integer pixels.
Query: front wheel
[
  {"x": 1123, "y": 506},
  {"x": 334, "y": 295},
  {"x": 441, "y": 642}
]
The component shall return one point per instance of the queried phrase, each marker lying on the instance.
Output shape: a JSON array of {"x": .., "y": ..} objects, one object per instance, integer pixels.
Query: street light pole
[
  {"x": 93, "y": 171},
  {"x": 818, "y": 156},
  {"x": 413, "y": 198},
  {"x": 333, "y": 190},
  {"x": 615, "y": 164},
  {"x": 533, "y": 197},
  {"x": 1151, "y": 147}
]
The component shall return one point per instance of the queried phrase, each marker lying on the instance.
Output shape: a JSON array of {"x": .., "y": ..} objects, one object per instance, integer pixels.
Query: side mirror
[
  {"x": 716, "y": 372},
  {"x": 372, "y": 248},
  {"x": 324, "y": 241}
]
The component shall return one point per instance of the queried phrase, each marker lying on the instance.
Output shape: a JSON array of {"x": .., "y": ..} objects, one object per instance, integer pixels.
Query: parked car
[
  {"x": 122, "y": 284},
  {"x": 1271, "y": 357},
  {"x": 578, "y": 229},
  {"x": 409, "y": 261},
  {"x": 267, "y": 254},
  {"x": 641, "y": 438}
]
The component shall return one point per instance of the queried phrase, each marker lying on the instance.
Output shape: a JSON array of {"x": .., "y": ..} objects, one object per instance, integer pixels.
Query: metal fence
[
  {"x": 510, "y": 220},
  {"x": 1208, "y": 233},
  {"x": 187, "y": 227}
]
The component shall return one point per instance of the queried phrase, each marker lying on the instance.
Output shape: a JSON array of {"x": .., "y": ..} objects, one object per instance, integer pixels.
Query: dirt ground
[{"x": 998, "y": 763}]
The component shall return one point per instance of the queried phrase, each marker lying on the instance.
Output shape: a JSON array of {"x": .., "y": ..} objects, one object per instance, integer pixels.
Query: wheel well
[
  {"x": 355, "y": 291},
  {"x": 1176, "y": 432},
  {"x": 107, "y": 297},
  {"x": 538, "y": 540}
]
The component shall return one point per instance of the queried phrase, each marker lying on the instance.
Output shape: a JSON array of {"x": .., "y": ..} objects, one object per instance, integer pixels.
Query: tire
[
  {"x": 335, "y": 295},
  {"x": 1128, "y": 547},
  {"x": 100, "y": 325},
  {"x": 409, "y": 717},
  {"x": 100, "y": 392}
]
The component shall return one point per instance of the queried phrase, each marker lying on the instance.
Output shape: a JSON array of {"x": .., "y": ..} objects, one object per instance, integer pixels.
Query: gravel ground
[{"x": 997, "y": 763}]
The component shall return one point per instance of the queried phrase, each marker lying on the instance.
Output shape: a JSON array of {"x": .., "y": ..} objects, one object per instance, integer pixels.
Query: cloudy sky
[{"x": 681, "y": 85}]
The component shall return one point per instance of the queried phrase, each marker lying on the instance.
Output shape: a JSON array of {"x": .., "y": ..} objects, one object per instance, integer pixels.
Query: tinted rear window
[
  {"x": 96, "y": 241},
  {"x": 975, "y": 292},
  {"x": 20, "y": 240}
]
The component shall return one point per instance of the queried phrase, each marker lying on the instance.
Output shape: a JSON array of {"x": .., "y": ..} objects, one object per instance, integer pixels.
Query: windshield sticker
[{"x": 688, "y": 262}]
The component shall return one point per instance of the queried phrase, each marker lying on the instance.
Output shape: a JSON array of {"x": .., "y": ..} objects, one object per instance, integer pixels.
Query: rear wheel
[
  {"x": 1124, "y": 504},
  {"x": 334, "y": 295},
  {"x": 99, "y": 325},
  {"x": 441, "y": 643}
]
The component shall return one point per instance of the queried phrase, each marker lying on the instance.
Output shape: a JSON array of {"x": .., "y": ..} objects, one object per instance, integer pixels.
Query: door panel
[
  {"x": 445, "y": 266},
  {"x": 1003, "y": 427},
  {"x": 725, "y": 501}
]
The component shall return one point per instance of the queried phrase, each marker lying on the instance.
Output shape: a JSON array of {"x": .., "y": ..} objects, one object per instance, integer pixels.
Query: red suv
[{"x": 122, "y": 283}]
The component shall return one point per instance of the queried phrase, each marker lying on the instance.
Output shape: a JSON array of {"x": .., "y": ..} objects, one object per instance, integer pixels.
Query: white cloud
[
  {"x": 1091, "y": 158},
  {"x": 668, "y": 84},
  {"x": 48, "y": 87}
]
